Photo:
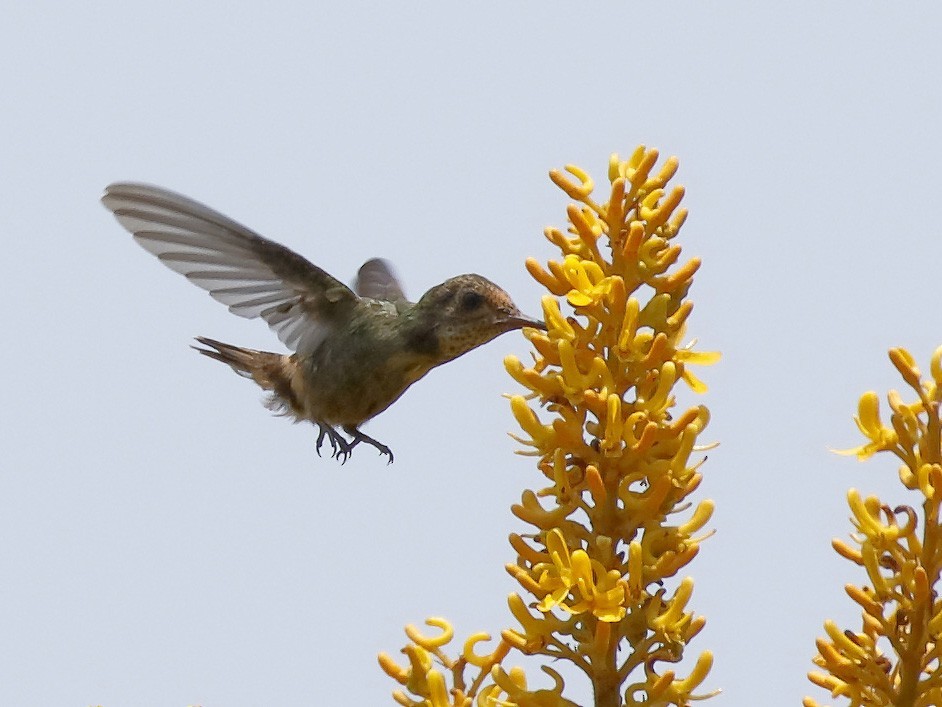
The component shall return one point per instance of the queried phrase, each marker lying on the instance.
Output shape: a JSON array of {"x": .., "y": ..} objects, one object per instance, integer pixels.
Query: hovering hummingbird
[{"x": 355, "y": 351}]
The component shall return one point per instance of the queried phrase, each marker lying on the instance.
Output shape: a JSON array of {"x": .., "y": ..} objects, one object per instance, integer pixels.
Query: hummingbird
[{"x": 354, "y": 351}]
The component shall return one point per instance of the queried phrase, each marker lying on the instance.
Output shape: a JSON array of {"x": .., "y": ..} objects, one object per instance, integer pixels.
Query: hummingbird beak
[{"x": 516, "y": 320}]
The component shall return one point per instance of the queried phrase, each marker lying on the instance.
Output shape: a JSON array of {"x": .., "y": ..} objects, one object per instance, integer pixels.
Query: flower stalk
[
  {"x": 612, "y": 525},
  {"x": 894, "y": 658}
]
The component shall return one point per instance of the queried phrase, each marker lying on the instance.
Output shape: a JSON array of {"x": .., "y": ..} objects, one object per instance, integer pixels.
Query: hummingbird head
[{"x": 465, "y": 312}]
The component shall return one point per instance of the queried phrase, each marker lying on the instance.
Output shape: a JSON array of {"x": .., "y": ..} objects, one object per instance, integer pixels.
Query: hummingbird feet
[
  {"x": 360, "y": 437},
  {"x": 339, "y": 447}
]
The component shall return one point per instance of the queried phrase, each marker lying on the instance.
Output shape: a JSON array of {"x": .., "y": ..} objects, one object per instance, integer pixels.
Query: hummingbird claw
[
  {"x": 320, "y": 439},
  {"x": 361, "y": 437},
  {"x": 339, "y": 447}
]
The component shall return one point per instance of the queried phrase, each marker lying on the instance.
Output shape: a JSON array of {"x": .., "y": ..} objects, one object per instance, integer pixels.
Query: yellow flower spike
[
  {"x": 658, "y": 687},
  {"x": 629, "y": 326},
  {"x": 579, "y": 192},
  {"x": 701, "y": 516},
  {"x": 580, "y": 567},
  {"x": 665, "y": 384},
  {"x": 865, "y": 600},
  {"x": 531, "y": 378},
  {"x": 904, "y": 362},
  {"x": 514, "y": 366},
  {"x": 487, "y": 660},
  {"x": 699, "y": 673},
  {"x": 617, "y": 297},
  {"x": 680, "y": 279},
  {"x": 676, "y": 322},
  {"x": 934, "y": 626},
  {"x": 526, "y": 581},
  {"x": 831, "y": 656},
  {"x": 691, "y": 422},
  {"x": 935, "y": 369},
  {"x": 841, "y": 642},
  {"x": 515, "y": 686},
  {"x": 555, "y": 321},
  {"x": 846, "y": 551},
  {"x": 668, "y": 622},
  {"x": 869, "y": 423},
  {"x": 698, "y": 358},
  {"x": 574, "y": 382},
  {"x": 517, "y": 640},
  {"x": 438, "y": 693},
  {"x": 393, "y": 669},
  {"x": 659, "y": 215},
  {"x": 555, "y": 267},
  {"x": 526, "y": 552},
  {"x": 639, "y": 167},
  {"x": 615, "y": 170},
  {"x": 635, "y": 426},
  {"x": 668, "y": 170},
  {"x": 654, "y": 313},
  {"x": 595, "y": 485},
  {"x": 537, "y": 630},
  {"x": 685, "y": 440},
  {"x": 866, "y": 513},
  {"x": 561, "y": 241},
  {"x": 680, "y": 216},
  {"x": 400, "y": 697},
  {"x": 632, "y": 248},
  {"x": 556, "y": 547},
  {"x": 935, "y": 483},
  {"x": 696, "y": 626},
  {"x": 615, "y": 450},
  {"x": 665, "y": 259},
  {"x": 547, "y": 279},
  {"x": 419, "y": 658},
  {"x": 540, "y": 434},
  {"x": 421, "y": 664},
  {"x": 637, "y": 158},
  {"x": 874, "y": 575},
  {"x": 695, "y": 384},
  {"x": 530, "y": 511},
  {"x": 646, "y": 440},
  {"x": 431, "y": 643},
  {"x": 510, "y": 682},
  {"x": 651, "y": 250},
  {"x": 586, "y": 225},
  {"x": 587, "y": 280},
  {"x": 612, "y": 440},
  {"x": 921, "y": 480},
  {"x": 650, "y": 201},
  {"x": 615, "y": 211},
  {"x": 545, "y": 350},
  {"x": 657, "y": 353},
  {"x": 562, "y": 488}
]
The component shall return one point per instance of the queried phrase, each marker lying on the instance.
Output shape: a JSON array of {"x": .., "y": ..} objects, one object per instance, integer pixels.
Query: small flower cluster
[
  {"x": 616, "y": 457},
  {"x": 895, "y": 658}
]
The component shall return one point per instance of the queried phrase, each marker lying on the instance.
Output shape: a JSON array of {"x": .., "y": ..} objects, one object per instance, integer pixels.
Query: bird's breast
[{"x": 346, "y": 382}]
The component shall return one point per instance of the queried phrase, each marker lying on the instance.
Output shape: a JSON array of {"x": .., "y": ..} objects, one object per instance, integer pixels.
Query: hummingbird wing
[
  {"x": 376, "y": 280},
  {"x": 254, "y": 276}
]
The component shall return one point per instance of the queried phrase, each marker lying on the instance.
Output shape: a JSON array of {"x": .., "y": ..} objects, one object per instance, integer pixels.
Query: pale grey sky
[{"x": 164, "y": 541}]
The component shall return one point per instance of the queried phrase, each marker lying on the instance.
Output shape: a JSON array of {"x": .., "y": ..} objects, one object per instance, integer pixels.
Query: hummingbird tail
[{"x": 268, "y": 370}]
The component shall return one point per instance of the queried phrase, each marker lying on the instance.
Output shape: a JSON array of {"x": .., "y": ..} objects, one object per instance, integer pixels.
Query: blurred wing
[
  {"x": 377, "y": 281},
  {"x": 254, "y": 276}
]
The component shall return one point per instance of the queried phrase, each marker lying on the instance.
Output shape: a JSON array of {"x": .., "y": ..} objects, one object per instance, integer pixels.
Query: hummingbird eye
[{"x": 471, "y": 300}]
